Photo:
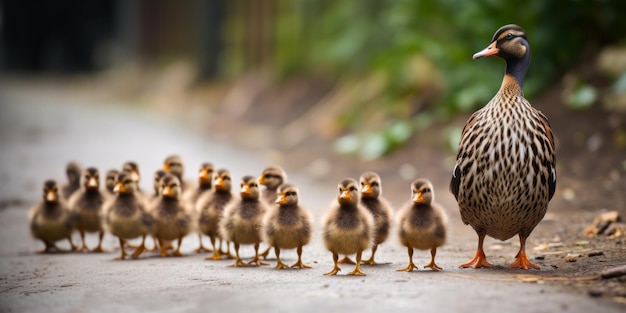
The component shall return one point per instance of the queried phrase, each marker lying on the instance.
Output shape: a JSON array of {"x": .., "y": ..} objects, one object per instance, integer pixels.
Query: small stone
[
  {"x": 595, "y": 292},
  {"x": 572, "y": 257},
  {"x": 614, "y": 272},
  {"x": 540, "y": 257},
  {"x": 595, "y": 253}
]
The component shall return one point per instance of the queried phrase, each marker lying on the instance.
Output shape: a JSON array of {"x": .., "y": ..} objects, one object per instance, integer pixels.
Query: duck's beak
[
  {"x": 261, "y": 180},
  {"x": 166, "y": 167},
  {"x": 367, "y": 189},
  {"x": 134, "y": 176},
  {"x": 345, "y": 195},
  {"x": 245, "y": 190},
  {"x": 167, "y": 191},
  {"x": 489, "y": 51},
  {"x": 51, "y": 196},
  {"x": 281, "y": 199},
  {"x": 119, "y": 187},
  {"x": 92, "y": 182},
  {"x": 219, "y": 182},
  {"x": 417, "y": 197}
]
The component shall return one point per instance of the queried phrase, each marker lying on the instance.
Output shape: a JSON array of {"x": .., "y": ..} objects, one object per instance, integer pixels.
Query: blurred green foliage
[{"x": 412, "y": 59}]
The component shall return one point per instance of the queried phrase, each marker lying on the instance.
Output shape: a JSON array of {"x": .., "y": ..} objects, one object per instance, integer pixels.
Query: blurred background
[{"x": 383, "y": 84}]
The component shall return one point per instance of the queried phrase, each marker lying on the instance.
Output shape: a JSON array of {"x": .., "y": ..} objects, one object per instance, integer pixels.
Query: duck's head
[
  {"x": 170, "y": 186},
  {"x": 222, "y": 180},
  {"x": 205, "y": 174},
  {"x": 249, "y": 188},
  {"x": 91, "y": 178},
  {"x": 73, "y": 170},
  {"x": 125, "y": 183},
  {"x": 287, "y": 194},
  {"x": 509, "y": 42},
  {"x": 348, "y": 191},
  {"x": 174, "y": 164},
  {"x": 50, "y": 191},
  {"x": 111, "y": 179},
  {"x": 422, "y": 191},
  {"x": 132, "y": 168},
  {"x": 272, "y": 177},
  {"x": 370, "y": 185},
  {"x": 158, "y": 174}
]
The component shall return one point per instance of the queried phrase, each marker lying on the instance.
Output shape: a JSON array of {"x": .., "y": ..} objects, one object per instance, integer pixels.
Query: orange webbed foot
[
  {"x": 521, "y": 261},
  {"x": 479, "y": 260}
]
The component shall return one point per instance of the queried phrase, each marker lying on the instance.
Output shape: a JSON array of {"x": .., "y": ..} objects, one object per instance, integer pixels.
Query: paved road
[{"x": 40, "y": 132}]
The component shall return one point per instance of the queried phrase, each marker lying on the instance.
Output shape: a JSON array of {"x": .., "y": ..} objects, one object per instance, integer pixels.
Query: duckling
[
  {"x": 205, "y": 184},
  {"x": 271, "y": 178},
  {"x": 371, "y": 199},
  {"x": 73, "y": 170},
  {"x": 287, "y": 225},
  {"x": 210, "y": 208},
  {"x": 158, "y": 174},
  {"x": 174, "y": 164},
  {"x": 172, "y": 215},
  {"x": 348, "y": 226},
  {"x": 422, "y": 223},
  {"x": 126, "y": 216},
  {"x": 133, "y": 168},
  {"x": 51, "y": 220},
  {"x": 110, "y": 180},
  {"x": 86, "y": 204},
  {"x": 243, "y": 219}
]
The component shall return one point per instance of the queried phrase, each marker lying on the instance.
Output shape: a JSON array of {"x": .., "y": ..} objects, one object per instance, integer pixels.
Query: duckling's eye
[
  {"x": 352, "y": 188},
  {"x": 290, "y": 193},
  {"x": 428, "y": 189},
  {"x": 253, "y": 185},
  {"x": 362, "y": 184},
  {"x": 509, "y": 36},
  {"x": 375, "y": 184},
  {"x": 226, "y": 178}
]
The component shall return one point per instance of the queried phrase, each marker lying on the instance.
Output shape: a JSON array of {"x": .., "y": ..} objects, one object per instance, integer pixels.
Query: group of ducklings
[{"x": 359, "y": 218}]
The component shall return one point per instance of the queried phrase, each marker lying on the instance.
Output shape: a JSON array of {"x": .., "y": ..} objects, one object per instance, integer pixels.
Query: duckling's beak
[
  {"x": 261, "y": 180},
  {"x": 417, "y": 197},
  {"x": 281, "y": 199},
  {"x": 245, "y": 190},
  {"x": 51, "y": 196},
  {"x": 92, "y": 182},
  {"x": 367, "y": 189},
  {"x": 166, "y": 167},
  {"x": 345, "y": 195},
  {"x": 219, "y": 182},
  {"x": 489, "y": 51},
  {"x": 119, "y": 187},
  {"x": 134, "y": 176},
  {"x": 204, "y": 175},
  {"x": 167, "y": 191}
]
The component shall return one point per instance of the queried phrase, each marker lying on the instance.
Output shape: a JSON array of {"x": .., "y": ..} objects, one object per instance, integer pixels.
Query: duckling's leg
[
  {"x": 256, "y": 258},
  {"x": 521, "y": 261},
  {"x": 299, "y": 263},
  {"x": 357, "y": 269},
  {"x": 163, "y": 251},
  {"x": 177, "y": 251},
  {"x": 346, "y": 260},
  {"x": 238, "y": 261},
  {"x": 82, "y": 239},
  {"x": 122, "y": 244},
  {"x": 479, "y": 260},
  {"x": 99, "y": 247},
  {"x": 279, "y": 264},
  {"x": 371, "y": 261},
  {"x": 411, "y": 265},
  {"x": 265, "y": 253},
  {"x": 216, "y": 251},
  {"x": 72, "y": 246},
  {"x": 48, "y": 248},
  {"x": 432, "y": 264},
  {"x": 202, "y": 248},
  {"x": 228, "y": 254},
  {"x": 336, "y": 268},
  {"x": 139, "y": 249}
]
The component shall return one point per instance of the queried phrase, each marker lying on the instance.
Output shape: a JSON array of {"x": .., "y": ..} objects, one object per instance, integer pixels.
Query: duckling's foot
[
  {"x": 123, "y": 254},
  {"x": 98, "y": 249},
  {"x": 346, "y": 260},
  {"x": 176, "y": 253},
  {"x": 265, "y": 253},
  {"x": 138, "y": 252},
  {"x": 280, "y": 265},
  {"x": 202, "y": 249},
  {"x": 216, "y": 256},
  {"x": 357, "y": 271},
  {"x": 409, "y": 268},
  {"x": 521, "y": 261},
  {"x": 299, "y": 264},
  {"x": 238, "y": 263},
  {"x": 369, "y": 261},
  {"x": 433, "y": 266},
  {"x": 257, "y": 261},
  {"x": 334, "y": 271},
  {"x": 479, "y": 260}
]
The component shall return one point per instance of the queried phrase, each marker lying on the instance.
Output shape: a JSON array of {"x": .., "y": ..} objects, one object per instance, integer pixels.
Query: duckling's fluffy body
[
  {"x": 172, "y": 215},
  {"x": 86, "y": 204},
  {"x": 287, "y": 226},
  {"x": 51, "y": 220}
]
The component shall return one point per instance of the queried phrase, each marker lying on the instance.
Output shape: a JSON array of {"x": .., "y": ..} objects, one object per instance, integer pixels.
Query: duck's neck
[{"x": 515, "y": 73}]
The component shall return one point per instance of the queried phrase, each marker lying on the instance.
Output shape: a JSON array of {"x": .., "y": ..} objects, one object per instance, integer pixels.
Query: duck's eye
[
  {"x": 375, "y": 184},
  {"x": 253, "y": 185},
  {"x": 352, "y": 188},
  {"x": 362, "y": 184},
  {"x": 226, "y": 178},
  {"x": 426, "y": 190},
  {"x": 509, "y": 36}
]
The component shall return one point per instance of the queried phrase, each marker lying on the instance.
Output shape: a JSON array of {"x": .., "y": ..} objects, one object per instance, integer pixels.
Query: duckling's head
[
  {"x": 249, "y": 188},
  {"x": 348, "y": 192},
  {"x": 174, "y": 164},
  {"x": 111, "y": 179},
  {"x": 273, "y": 177},
  {"x": 158, "y": 174},
  {"x": 132, "y": 168},
  {"x": 287, "y": 194},
  {"x": 205, "y": 174},
  {"x": 91, "y": 178},
  {"x": 125, "y": 183},
  {"x": 422, "y": 191},
  {"x": 222, "y": 180},
  {"x": 370, "y": 185},
  {"x": 50, "y": 191},
  {"x": 509, "y": 42},
  {"x": 73, "y": 170},
  {"x": 170, "y": 186}
]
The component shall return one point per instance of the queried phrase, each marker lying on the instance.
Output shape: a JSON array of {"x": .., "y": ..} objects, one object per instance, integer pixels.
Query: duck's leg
[
  {"x": 521, "y": 261},
  {"x": 99, "y": 247},
  {"x": 139, "y": 249},
  {"x": 228, "y": 254},
  {"x": 279, "y": 263},
  {"x": 371, "y": 261},
  {"x": 48, "y": 247},
  {"x": 479, "y": 260},
  {"x": 72, "y": 246},
  {"x": 216, "y": 251},
  {"x": 432, "y": 264},
  {"x": 357, "y": 269},
  {"x": 346, "y": 260},
  {"x": 177, "y": 251},
  {"x": 238, "y": 261},
  {"x": 411, "y": 265},
  {"x": 83, "y": 247},
  {"x": 122, "y": 244},
  {"x": 163, "y": 251},
  {"x": 336, "y": 267},
  {"x": 299, "y": 263},
  {"x": 201, "y": 248},
  {"x": 265, "y": 253},
  {"x": 256, "y": 258}
]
